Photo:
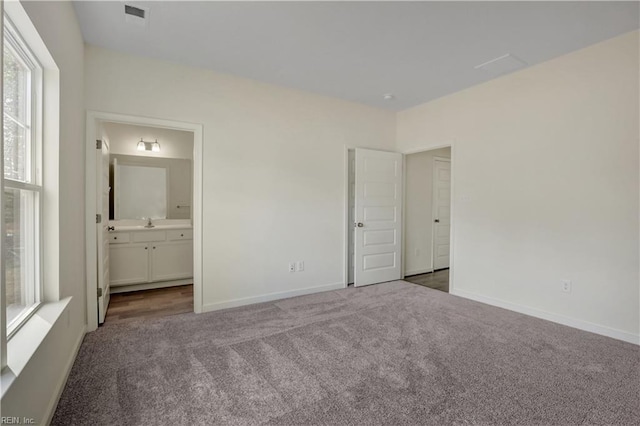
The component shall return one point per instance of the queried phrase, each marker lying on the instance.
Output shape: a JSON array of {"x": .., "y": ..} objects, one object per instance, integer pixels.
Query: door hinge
[
  {"x": 99, "y": 292},
  {"x": 98, "y": 144},
  {"x": 98, "y": 218}
]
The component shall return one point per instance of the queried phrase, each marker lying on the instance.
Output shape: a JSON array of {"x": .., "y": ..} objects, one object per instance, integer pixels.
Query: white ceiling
[{"x": 357, "y": 51}]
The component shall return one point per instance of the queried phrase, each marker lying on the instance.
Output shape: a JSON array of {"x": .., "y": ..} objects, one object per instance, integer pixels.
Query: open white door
[
  {"x": 378, "y": 217},
  {"x": 102, "y": 226}
]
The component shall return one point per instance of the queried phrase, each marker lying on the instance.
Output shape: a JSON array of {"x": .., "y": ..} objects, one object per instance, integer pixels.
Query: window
[{"x": 22, "y": 187}]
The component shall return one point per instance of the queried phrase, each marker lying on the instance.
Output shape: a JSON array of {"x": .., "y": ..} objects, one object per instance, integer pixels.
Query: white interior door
[
  {"x": 441, "y": 212},
  {"x": 102, "y": 208},
  {"x": 378, "y": 217}
]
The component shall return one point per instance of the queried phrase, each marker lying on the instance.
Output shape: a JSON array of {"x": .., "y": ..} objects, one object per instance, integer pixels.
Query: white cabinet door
[
  {"x": 171, "y": 261},
  {"x": 378, "y": 216},
  {"x": 129, "y": 263}
]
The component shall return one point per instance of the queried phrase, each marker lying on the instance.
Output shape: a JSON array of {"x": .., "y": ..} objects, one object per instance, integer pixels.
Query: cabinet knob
[
  {"x": 146, "y": 248},
  {"x": 115, "y": 238},
  {"x": 154, "y": 247},
  {"x": 182, "y": 235}
]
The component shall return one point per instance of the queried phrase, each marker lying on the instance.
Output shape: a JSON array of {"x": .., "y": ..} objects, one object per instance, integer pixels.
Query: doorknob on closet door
[
  {"x": 359, "y": 224},
  {"x": 437, "y": 221}
]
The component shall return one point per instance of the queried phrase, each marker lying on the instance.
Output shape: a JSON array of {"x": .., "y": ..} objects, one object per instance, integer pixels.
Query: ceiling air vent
[
  {"x": 136, "y": 15},
  {"x": 501, "y": 65}
]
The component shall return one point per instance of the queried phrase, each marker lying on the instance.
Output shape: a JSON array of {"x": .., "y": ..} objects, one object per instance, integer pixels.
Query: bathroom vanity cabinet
[{"x": 150, "y": 258}]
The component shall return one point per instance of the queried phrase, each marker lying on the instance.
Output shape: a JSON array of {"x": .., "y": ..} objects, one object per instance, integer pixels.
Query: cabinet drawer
[
  {"x": 148, "y": 236},
  {"x": 119, "y": 237},
  {"x": 180, "y": 234}
]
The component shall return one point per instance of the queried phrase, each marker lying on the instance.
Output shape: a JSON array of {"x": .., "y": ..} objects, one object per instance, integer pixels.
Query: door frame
[
  {"x": 90, "y": 202},
  {"x": 446, "y": 144},
  {"x": 347, "y": 226},
  {"x": 434, "y": 212}
]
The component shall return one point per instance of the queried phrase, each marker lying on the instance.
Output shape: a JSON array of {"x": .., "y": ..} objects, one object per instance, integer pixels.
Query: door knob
[
  {"x": 359, "y": 224},
  {"x": 437, "y": 221}
]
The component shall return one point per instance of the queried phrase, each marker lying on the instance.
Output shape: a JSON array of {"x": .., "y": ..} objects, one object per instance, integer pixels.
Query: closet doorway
[{"x": 428, "y": 218}]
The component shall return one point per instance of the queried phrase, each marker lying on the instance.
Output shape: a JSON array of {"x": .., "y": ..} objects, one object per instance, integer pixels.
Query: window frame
[{"x": 35, "y": 185}]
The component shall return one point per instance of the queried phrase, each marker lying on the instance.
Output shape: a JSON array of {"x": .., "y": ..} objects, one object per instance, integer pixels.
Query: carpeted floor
[{"x": 393, "y": 353}]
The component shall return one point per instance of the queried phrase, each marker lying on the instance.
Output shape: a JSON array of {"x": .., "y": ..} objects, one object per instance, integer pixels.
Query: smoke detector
[
  {"x": 502, "y": 65},
  {"x": 136, "y": 15}
]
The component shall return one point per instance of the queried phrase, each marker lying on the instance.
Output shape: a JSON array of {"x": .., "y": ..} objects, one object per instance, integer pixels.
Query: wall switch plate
[
  {"x": 292, "y": 267},
  {"x": 300, "y": 266},
  {"x": 566, "y": 286}
]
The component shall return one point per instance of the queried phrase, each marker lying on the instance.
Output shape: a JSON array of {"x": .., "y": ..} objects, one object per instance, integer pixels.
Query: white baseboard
[
  {"x": 269, "y": 297},
  {"x": 417, "y": 272},
  {"x": 149, "y": 286},
  {"x": 557, "y": 318},
  {"x": 53, "y": 404}
]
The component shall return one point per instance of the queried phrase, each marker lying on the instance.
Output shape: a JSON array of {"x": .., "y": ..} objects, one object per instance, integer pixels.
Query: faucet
[{"x": 149, "y": 224}]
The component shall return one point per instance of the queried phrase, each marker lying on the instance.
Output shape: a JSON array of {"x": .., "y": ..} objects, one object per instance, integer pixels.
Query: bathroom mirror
[
  {"x": 141, "y": 192},
  {"x": 156, "y": 188}
]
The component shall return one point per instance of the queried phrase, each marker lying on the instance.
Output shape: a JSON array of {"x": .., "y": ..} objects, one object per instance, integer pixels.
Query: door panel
[
  {"x": 378, "y": 207},
  {"x": 102, "y": 199},
  {"x": 442, "y": 213}
]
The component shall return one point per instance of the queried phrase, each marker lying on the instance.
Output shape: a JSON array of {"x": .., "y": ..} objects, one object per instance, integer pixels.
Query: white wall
[
  {"x": 418, "y": 214},
  {"x": 35, "y": 389},
  {"x": 273, "y": 168},
  {"x": 545, "y": 175},
  {"x": 124, "y": 140}
]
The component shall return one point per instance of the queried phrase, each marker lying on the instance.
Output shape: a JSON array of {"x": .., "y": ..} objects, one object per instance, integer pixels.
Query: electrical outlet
[
  {"x": 300, "y": 266},
  {"x": 292, "y": 267},
  {"x": 566, "y": 286}
]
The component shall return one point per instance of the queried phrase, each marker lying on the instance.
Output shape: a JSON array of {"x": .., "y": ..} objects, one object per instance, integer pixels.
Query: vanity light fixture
[{"x": 148, "y": 146}]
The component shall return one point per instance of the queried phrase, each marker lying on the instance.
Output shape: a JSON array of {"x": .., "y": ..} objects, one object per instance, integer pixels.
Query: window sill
[{"x": 26, "y": 341}]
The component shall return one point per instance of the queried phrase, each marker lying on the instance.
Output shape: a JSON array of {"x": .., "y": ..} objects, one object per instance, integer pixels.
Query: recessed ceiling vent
[
  {"x": 136, "y": 15},
  {"x": 502, "y": 65}
]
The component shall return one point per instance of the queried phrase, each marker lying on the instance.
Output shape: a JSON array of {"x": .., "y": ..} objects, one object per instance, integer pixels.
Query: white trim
[
  {"x": 115, "y": 289},
  {"x": 550, "y": 316},
  {"x": 270, "y": 297},
  {"x": 445, "y": 144},
  {"x": 55, "y": 398},
  {"x": 403, "y": 229},
  {"x": 198, "y": 135}
]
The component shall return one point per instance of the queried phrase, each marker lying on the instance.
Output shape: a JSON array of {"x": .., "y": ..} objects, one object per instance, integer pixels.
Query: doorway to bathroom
[{"x": 143, "y": 245}]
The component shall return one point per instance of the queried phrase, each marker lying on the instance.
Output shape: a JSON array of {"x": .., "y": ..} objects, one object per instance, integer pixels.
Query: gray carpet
[{"x": 393, "y": 353}]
